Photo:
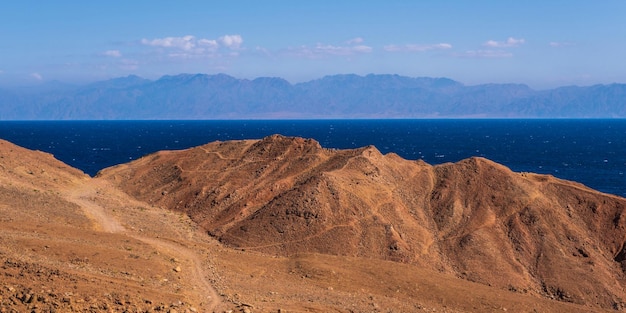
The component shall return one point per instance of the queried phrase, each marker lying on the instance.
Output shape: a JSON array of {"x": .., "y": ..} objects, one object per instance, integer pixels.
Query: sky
[{"x": 543, "y": 44}]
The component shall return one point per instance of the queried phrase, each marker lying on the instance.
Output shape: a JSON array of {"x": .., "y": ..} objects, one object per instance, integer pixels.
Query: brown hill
[
  {"x": 475, "y": 219},
  {"x": 71, "y": 243}
]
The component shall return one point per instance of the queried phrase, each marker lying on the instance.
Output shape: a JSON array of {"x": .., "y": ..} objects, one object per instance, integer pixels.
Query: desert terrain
[{"x": 284, "y": 225}]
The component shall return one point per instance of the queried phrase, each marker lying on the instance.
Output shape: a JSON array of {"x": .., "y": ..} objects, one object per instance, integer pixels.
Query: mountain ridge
[{"x": 220, "y": 96}]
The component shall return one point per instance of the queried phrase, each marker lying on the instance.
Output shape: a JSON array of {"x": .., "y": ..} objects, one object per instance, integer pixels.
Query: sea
[{"x": 589, "y": 151}]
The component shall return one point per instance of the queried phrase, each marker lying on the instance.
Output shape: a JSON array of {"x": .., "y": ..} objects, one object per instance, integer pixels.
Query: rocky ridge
[
  {"x": 474, "y": 219},
  {"x": 284, "y": 225}
]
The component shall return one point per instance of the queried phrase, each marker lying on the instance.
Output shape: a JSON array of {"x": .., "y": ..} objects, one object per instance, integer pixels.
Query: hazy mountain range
[{"x": 201, "y": 96}]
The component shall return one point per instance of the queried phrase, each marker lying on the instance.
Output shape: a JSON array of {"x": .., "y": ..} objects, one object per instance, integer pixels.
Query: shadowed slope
[{"x": 474, "y": 219}]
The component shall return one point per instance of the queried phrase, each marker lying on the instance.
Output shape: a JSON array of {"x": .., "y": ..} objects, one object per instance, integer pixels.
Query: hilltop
[{"x": 284, "y": 224}]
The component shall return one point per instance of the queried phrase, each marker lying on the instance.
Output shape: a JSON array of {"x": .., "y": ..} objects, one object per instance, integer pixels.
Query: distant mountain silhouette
[{"x": 201, "y": 96}]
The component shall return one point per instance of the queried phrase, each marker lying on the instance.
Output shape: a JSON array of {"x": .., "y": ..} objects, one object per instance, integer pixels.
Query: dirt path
[
  {"x": 85, "y": 196},
  {"x": 95, "y": 212},
  {"x": 197, "y": 272}
]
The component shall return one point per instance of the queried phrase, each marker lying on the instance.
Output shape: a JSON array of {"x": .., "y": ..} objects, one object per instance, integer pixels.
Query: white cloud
[
  {"x": 417, "y": 48},
  {"x": 36, "y": 76},
  {"x": 321, "y": 50},
  {"x": 189, "y": 46},
  {"x": 231, "y": 41},
  {"x": 184, "y": 43},
  {"x": 555, "y": 44},
  {"x": 341, "y": 50},
  {"x": 487, "y": 54},
  {"x": 210, "y": 44},
  {"x": 362, "y": 49},
  {"x": 112, "y": 53},
  {"x": 350, "y": 47},
  {"x": 510, "y": 42},
  {"x": 355, "y": 41}
]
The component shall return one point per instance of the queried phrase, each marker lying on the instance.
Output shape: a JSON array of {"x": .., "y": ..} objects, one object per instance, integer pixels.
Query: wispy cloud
[
  {"x": 342, "y": 50},
  {"x": 128, "y": 64},
  {"x": 321, "y": 50},
  {"x": 555, "y": 44},
  {"x": 510, "y": 42},
  {"x": 494, "y": 49},
  {"x": 36, "y": 76},
  {"x": 355, "y": 41},
  {"x": 112, "y": 53},
  {"x": 263, "y": 51},
  {"x": 189, "y": 46},
  {"x": 417, "y": 47},
  {"x": 486, "y": 54},
  {"x": 351, "y": 47}
]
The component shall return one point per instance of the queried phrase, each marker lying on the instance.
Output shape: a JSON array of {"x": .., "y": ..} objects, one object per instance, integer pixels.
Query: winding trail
[
  {"x": 197, "y": 270},
  {"x": 85, "y": 196},
  {"x": 95, "y": 212}
]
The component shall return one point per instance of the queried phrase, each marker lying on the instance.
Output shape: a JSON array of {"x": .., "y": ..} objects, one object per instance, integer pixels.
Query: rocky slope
[
  {"x": 331, "y": 231},
  {"x": 63, "y": 248},
  {"x": 475, "y": 219}
]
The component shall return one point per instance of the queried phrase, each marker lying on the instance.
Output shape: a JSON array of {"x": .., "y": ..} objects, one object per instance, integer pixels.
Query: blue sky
[{"x": 544, "y": 44}]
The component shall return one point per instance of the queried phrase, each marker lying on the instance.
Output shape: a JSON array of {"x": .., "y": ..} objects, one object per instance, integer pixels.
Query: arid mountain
[
  {"x": 475, "y": 219},
  {"x": 333, "y": 231},
  {"x": 220, "y": 96}
]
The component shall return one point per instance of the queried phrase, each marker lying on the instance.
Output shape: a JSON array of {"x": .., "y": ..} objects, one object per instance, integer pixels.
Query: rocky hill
[
  {"x": 474, "y": 219},
  {"x": 284, "y": 225}
]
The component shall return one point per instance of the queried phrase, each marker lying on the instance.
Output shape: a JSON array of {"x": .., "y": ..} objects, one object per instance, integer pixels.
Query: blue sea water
[{"x": 592, "y": 152}]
